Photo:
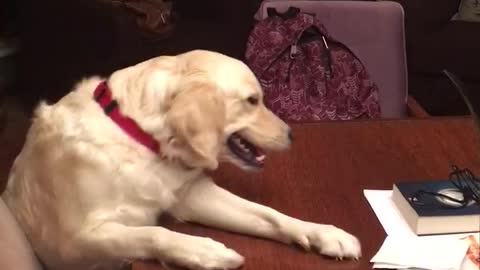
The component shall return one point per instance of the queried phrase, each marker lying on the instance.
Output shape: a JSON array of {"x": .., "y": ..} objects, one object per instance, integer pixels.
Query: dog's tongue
[{"x": 260, "y": 156}]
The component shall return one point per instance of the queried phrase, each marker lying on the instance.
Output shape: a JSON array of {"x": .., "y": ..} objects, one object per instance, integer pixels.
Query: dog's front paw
[
  {"x": 329, "y": 240},
  {"x": 205, "y": 254}
]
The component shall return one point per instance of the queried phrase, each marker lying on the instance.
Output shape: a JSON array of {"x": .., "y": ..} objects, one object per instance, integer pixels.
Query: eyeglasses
[{"x": 467, "y": 189}]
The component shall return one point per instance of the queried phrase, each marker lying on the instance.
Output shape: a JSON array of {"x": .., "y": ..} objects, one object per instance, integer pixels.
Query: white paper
[
  {"x": 399, "y": 267},
  {"x": 387, "y": 213},
  {"x": 403, "y": 249},
  {"x": 391, "y": 266},
  {"x": 423, "y": 252}
]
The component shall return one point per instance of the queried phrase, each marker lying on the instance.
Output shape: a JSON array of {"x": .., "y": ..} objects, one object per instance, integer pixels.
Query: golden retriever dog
[{"x": 87, "y": 190}]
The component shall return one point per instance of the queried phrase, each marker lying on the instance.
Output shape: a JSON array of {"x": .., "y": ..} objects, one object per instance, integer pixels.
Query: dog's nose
[{"x": 290, "y": 135}]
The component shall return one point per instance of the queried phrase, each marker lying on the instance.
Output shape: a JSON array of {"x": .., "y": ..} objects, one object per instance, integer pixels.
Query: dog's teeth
[
  {"x": 242, "y": 145},
  {"x": 261, "y": 158}
]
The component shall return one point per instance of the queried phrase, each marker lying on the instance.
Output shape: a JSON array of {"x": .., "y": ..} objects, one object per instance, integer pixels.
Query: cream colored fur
[{"x": 87, "y": 195}]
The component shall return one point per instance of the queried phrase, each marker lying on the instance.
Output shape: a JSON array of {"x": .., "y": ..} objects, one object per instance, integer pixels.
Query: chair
[
  {"x": 374, "y": 31},
  {"x": 15, "y": 250}
]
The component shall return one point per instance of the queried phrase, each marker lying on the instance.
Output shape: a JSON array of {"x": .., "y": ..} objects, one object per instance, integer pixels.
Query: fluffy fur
[{"x": 87, "y": 195}]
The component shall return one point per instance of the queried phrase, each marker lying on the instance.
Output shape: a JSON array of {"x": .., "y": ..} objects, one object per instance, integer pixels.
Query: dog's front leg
[
  {"x": 208, "y": 204},
  {"x": 117, "y": 241}
]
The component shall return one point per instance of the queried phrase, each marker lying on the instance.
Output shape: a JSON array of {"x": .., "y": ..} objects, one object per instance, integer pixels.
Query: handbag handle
[{"x": 290, "y": 13}]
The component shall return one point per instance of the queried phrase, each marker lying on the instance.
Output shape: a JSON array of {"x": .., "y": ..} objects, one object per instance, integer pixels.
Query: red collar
[{"x": 103, "y": 96}]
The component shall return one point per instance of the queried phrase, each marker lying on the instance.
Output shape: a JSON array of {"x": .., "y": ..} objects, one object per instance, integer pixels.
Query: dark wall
[{"x": 63, "y": 41}]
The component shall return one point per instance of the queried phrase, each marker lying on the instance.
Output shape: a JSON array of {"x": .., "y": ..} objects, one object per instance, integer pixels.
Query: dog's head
[{"x": 214, "y": 112}]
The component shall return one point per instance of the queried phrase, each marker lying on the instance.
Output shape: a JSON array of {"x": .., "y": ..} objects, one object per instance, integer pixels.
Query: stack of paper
[
  {"x": 421, "y": 252},
  {"x": 403, "y": 249}
]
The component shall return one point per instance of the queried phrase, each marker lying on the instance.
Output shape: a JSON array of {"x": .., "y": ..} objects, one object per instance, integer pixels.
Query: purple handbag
[{"x": 305, "y": 73}]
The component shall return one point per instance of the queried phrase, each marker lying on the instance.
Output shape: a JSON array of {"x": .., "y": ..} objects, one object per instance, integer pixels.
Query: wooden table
[{"x": 323, "y": 176}]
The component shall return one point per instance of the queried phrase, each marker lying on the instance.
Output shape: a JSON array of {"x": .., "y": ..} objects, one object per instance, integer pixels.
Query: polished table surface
[{"x": 322, "y": 178}]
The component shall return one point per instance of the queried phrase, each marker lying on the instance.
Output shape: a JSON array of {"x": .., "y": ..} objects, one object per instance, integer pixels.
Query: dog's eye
[{"x": 252, "y": 100}]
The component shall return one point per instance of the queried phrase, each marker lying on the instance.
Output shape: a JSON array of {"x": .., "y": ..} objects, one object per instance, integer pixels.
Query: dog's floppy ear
[{"x": 197, "y": 118}]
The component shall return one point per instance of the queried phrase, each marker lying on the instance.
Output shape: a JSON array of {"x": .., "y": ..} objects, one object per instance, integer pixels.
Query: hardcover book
[{"x": 434, "y": 214}]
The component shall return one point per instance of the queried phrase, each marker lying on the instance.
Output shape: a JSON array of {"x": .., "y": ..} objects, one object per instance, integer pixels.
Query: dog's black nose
[{"x": 290, "y": 135}]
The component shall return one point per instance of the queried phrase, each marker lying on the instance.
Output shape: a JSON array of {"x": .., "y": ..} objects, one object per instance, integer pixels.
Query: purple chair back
[{"x": 374, "y": 31}]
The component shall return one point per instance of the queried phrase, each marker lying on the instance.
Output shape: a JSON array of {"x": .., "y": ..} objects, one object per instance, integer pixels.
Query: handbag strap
[
  {"x": 290, "y": 13},
  {"x": 293, "y": 27}
]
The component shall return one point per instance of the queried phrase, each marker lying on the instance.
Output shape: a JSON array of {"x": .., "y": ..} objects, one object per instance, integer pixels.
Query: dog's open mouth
[{"x": 246, "y": 151}]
